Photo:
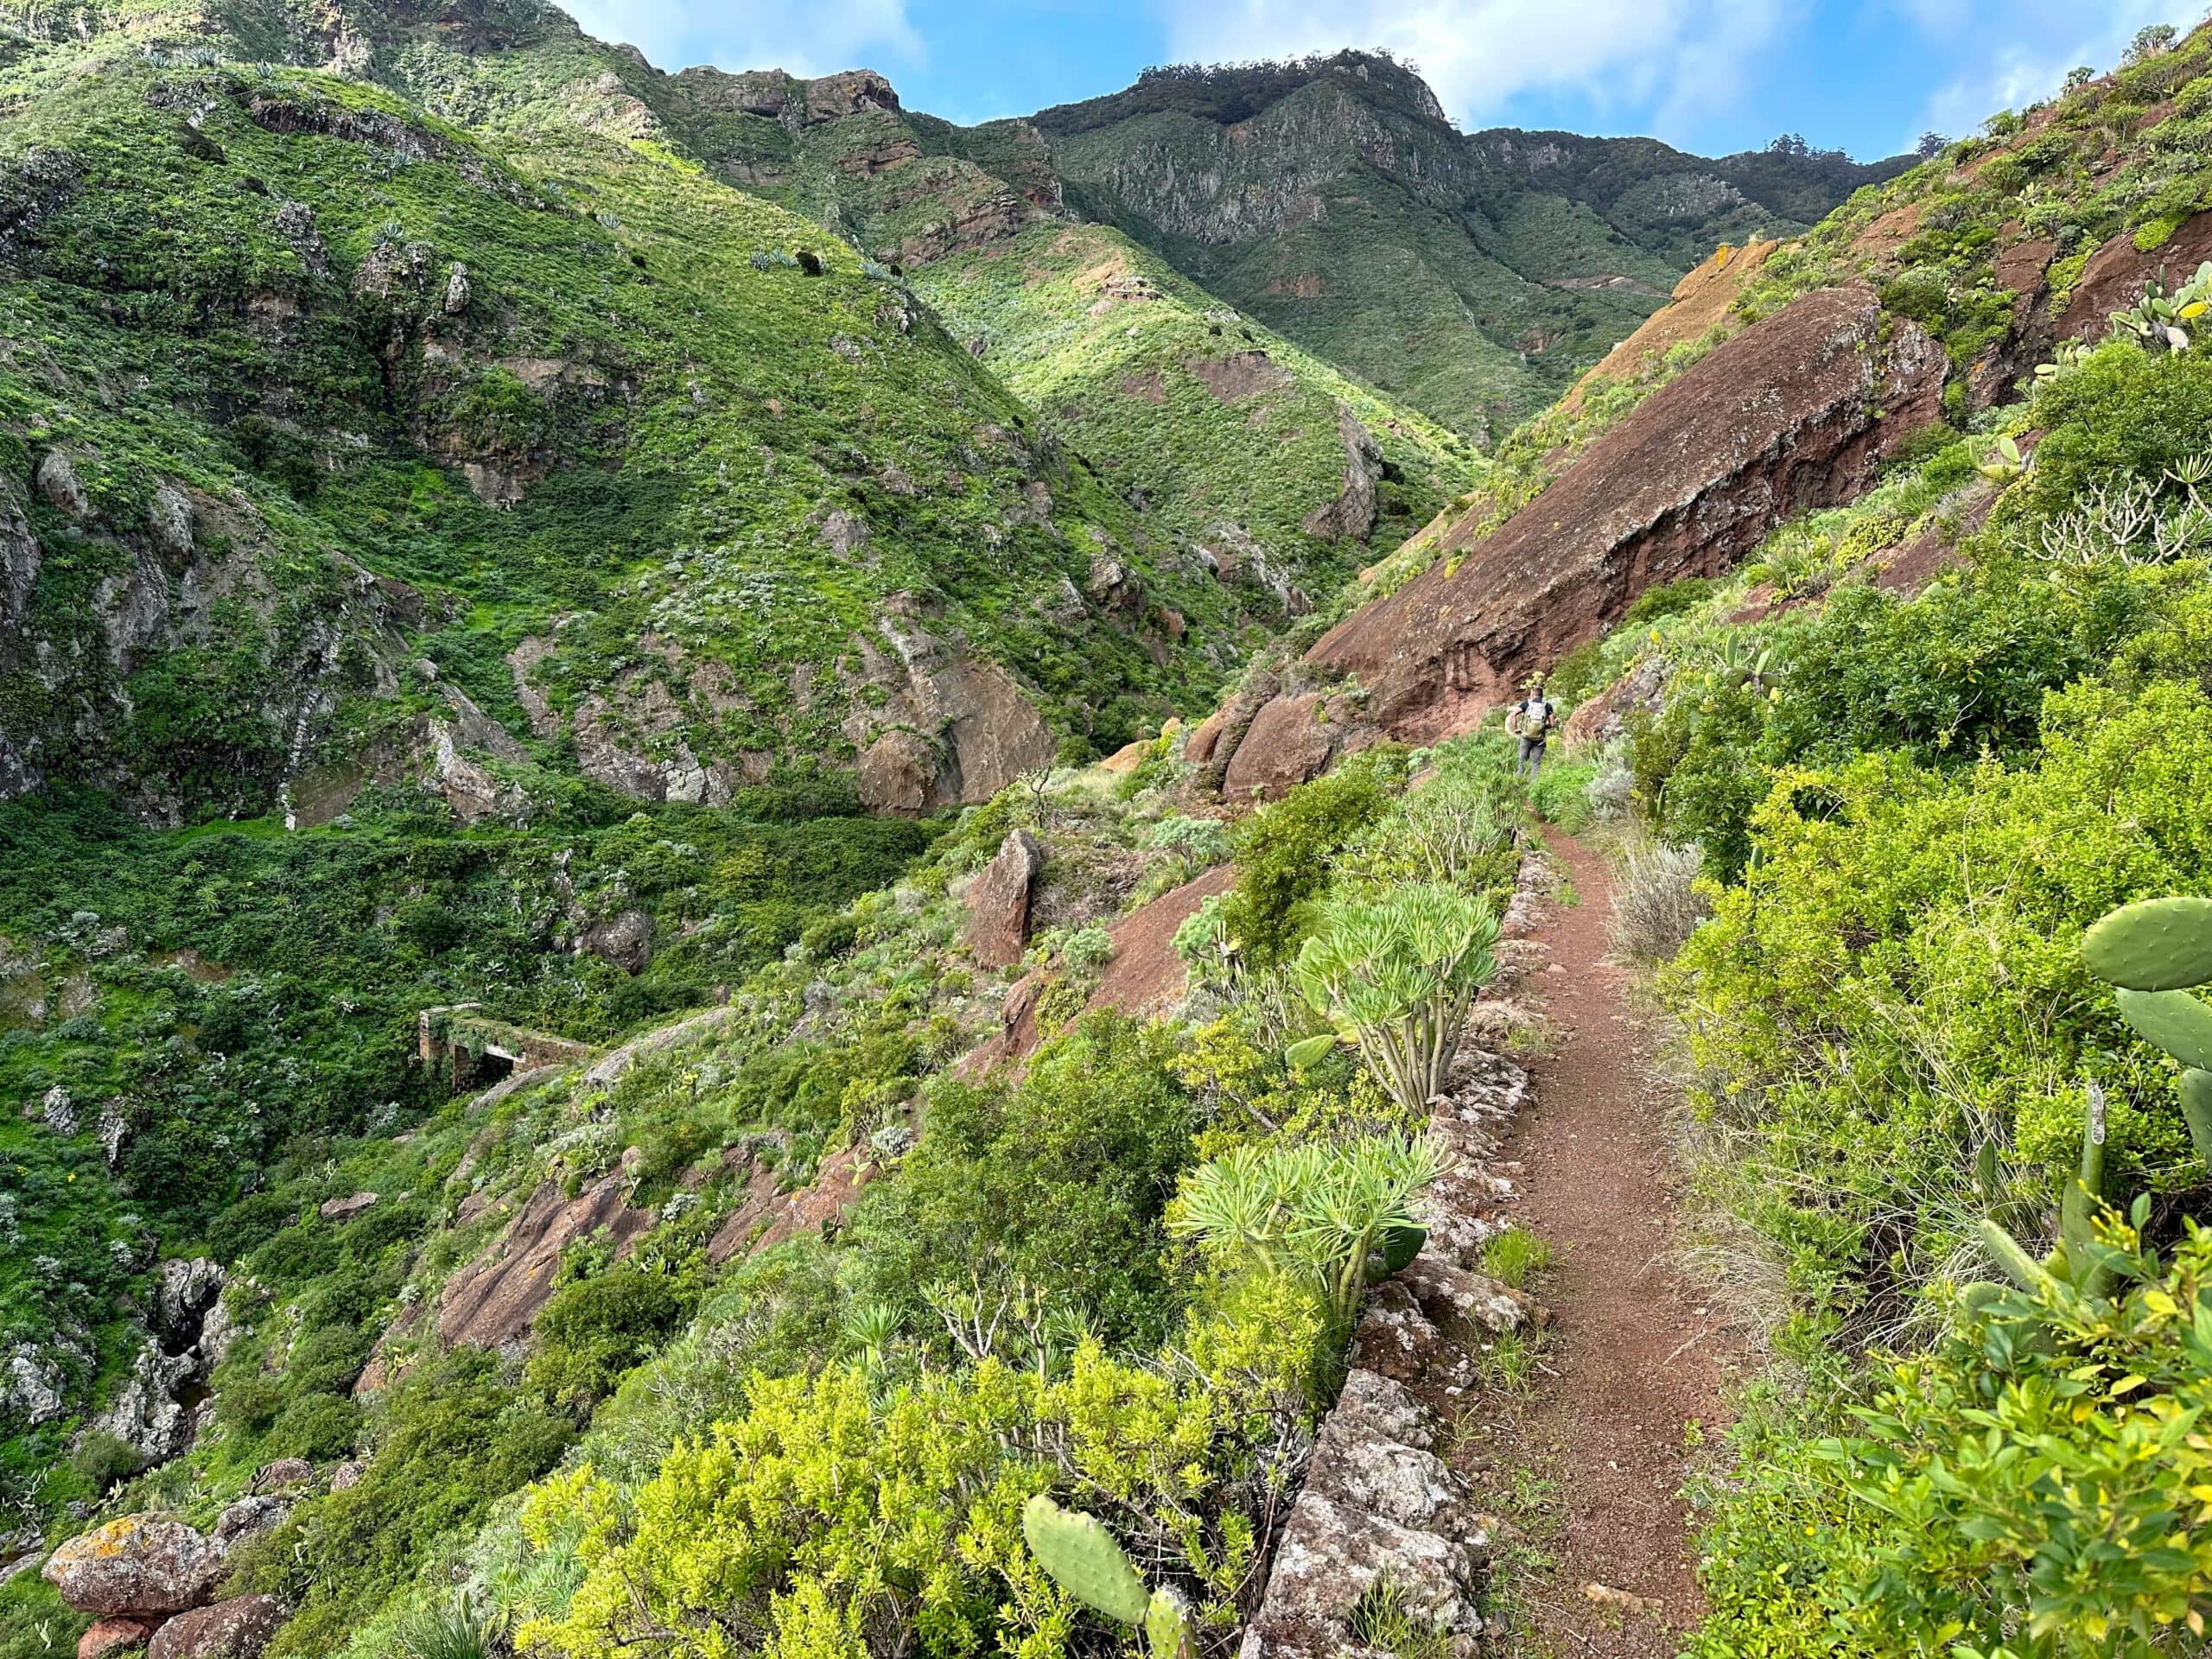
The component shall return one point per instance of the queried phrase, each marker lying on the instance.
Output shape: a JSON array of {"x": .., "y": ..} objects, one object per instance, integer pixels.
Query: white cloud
[
  {"x": 1677, "y": 55},
  {"x": 2041, "y": 40},
  {"x": 807, "y": 37}
]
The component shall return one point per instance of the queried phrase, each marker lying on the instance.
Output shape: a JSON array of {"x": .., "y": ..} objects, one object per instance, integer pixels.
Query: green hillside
[{"x": 1474, "y": 275}]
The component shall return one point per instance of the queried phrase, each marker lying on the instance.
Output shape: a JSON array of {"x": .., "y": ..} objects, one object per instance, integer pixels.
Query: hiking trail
[{"x": 1637, "y": 1352}]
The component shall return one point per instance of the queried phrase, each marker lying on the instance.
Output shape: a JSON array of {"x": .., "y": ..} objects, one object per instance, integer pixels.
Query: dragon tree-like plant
[
  {"x": 1342, "y": 1214},
  {"x": 1395, "y": 979},
  {"x": 1083, "y": 1559}
]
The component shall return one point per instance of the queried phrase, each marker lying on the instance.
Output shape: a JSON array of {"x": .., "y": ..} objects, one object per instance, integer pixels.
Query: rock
[
  {"x": 456, "y": 298},
  {"x": 138, "y": 1564},
  {"x": 1461, "y": 1303},
  {"x": 1352, "y": 513},
  {"x": 21, "y": 557},
  {"x": 250, "y": 1517},
  {"x": 188, "y": 1291},
  {"x": 59, "y": 483},
  {"x": 170, "y": 522},
  {"x": 236, "y": 1629},
  {"x": 118, "y": 1635},
  {"x": 1401, "y": 1341},
  {"x": 347, "y": 1475},
  {"x": 624, "y": 940},
  {"x": 1795, "y": 412},
  {"x": 491, "y": 1302},
  {"x": 58, "y": 1111},
  {"x": 768, "y": 1216},
  {"x": 1605, "y": 717},
  {"x": 998, "y": 903},
  {"x": 146, "y": 1414},
  {"x": 950, "y": 729},
  {"x": 344, "y": 1209},
  {"x": 1287, "y": 745},
  {"x": 285, "y": 1472},
  {"x": 30, "y": 1384},
  {"x": 1213, "y": 742}
]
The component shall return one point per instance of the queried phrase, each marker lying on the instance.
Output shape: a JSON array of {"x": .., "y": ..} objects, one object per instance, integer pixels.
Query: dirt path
[{"x": 1632, "y": 1357}]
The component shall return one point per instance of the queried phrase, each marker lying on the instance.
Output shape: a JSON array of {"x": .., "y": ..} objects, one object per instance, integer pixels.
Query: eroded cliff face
[{"x": 1793, "y": 414}]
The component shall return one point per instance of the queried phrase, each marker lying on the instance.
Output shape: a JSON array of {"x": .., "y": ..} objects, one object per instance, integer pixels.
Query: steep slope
[
  {"x": 309, "y": 383},
  {"x": 1933, "y": 299},
  {"x": 1273, "y": 468},
  {"x": 1473, "y": 275}
]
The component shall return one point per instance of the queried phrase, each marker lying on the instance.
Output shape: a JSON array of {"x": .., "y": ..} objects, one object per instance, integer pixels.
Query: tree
[
  {"x": 2152, "y": 41},
  {"x": 1932, "y": 144},
  {"x": 1789, "y": 144}
]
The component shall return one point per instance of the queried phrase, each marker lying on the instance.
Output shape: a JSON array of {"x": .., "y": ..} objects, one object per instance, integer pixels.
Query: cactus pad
[
  {"x": 2173, "y": 1021},
  {"x": 2197, "y": 1110},
  {"x": 1085, "y": 1561},
  {"x": 2161, "y": 944},
  {"x": 1167, "y": 1625}
]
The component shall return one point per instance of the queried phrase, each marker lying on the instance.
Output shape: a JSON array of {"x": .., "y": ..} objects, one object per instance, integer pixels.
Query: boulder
[
  {"x": 187, "y": 1293},
  {"x": 1465, "y": 1303},
  {"x": 285, "y": 1472},
  {"x": 236, "y": 1629},
  {"x": 59, "y": 483},
  {"x": 1605, "y": 716},
  {"x": 998, "y": 903},
  {"x": 1793, "y": 414},
  {"x": 942, "y": 728},
  {"x": 624, "y": 940},
  {"x": 347, "y": 1475},
  {"x": 248, "y": 1518},
  {"x": 1289, "y": 742},
  {"x": 169, "y": 522},
  {"x": 146, "y": 1414},
  {"x": 344, "y": 1209},
  {"x": 1213, "y": 741},
  {"x": 106, "y": 1636},
  {"x": 138, "y": 1564}
]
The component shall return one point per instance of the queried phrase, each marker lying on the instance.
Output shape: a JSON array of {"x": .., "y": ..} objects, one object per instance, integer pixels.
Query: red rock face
[
  {"x": 2115, "y": 276},
  {"x": 1288, "y": 744},
  {"x": 1792, "y": 414},
  {"x": 998, "y": 905},
  {"x": 492, "y": 1301}
]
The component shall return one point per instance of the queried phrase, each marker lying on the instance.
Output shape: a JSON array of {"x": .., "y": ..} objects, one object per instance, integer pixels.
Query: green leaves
[
  {"x": 1312, "y": 1207},
  {"x": 1396, "y": 977}
]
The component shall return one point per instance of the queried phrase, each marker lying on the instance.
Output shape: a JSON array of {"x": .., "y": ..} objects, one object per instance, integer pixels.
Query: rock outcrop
[
  {"x": 998, "y": 903},
  {"x": 492, "y": 1300},
  {"x": 1794, "y": 413},
  {"x": 951, "y": 729}
]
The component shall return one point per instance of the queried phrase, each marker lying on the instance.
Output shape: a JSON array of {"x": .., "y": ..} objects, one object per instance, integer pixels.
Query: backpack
[{"x": 1531, "y": 718}]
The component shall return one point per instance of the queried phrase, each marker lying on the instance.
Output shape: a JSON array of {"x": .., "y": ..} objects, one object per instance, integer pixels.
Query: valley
[{"x": 763, "y": 890}]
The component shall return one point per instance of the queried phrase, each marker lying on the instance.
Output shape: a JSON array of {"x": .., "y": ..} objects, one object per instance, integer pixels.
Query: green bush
[
  {"x": 593, "y": 1332},
  {"x": 1285, "y": 852}
]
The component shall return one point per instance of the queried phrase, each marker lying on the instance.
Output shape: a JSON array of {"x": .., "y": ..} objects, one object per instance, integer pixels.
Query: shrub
[
  {"x": 102, "y": 1459},
  {"x": 593, "y": 1332},
  {"x": 1657, "y": 902},
  {"x": 1395, "y": 980},
  {"x": 1285, "y": 853},
  {"x": 1341, "y": 1215}
]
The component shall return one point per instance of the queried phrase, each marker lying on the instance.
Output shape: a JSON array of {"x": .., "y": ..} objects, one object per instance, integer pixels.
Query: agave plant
[
  {"x": 1395, "y": 979},
  {"x": 1343, "y": 1214}
]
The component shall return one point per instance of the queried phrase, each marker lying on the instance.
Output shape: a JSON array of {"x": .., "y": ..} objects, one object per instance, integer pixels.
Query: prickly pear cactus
[
  {"x": 2161, "y": 944},
  {"x": 1167, "y": 1625},
  {"x": 1085, "y": 1561}
]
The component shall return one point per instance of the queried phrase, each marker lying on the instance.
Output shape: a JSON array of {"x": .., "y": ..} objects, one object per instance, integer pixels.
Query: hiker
[{"x": 1531, "y": 721}]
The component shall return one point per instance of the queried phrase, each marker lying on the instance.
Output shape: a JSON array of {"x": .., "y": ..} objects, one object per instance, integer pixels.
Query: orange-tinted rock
[
  {"x": 1213, "y": 743},
  {"x": 111, "y": 1635},
  {"x": 1126, "y": 759},
  {"x": 998, "y": 903},
  {"x": 768, "y": 1217},
  {"x": 139, "y": 1565},
  {"x": 1794, "y": 413},
  {"x": 1702, "y": 300},
  {"x": 492, "y": 1301},
  {"x": 1289, "y": 743},
  {"x": 2020, "y": 266}
]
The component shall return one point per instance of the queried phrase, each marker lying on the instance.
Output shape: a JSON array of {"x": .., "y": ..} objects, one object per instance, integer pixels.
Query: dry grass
[{"x": 1657, "y": 903}]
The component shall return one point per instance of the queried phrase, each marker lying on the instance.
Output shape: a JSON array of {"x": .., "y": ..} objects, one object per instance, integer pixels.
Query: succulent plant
[
  {"x": 2154, "y": 951},
  {"x": 1083, "y": 1559}
]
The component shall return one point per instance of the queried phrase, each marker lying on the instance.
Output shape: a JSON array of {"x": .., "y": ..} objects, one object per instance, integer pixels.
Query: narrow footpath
[{"x": 1634, "y": 1357}]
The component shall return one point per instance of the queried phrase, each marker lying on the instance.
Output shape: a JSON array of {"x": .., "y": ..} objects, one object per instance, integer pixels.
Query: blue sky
[{"x": 1708, "y": 75}]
